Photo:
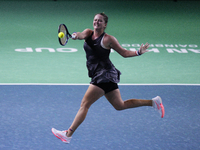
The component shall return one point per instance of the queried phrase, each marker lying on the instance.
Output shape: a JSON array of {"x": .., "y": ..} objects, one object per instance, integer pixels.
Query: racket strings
[{"x": 62, "y": 28}]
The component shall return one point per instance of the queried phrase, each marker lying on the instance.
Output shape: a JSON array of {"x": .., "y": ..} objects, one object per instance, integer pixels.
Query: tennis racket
[{"x": 62, "y": 28}]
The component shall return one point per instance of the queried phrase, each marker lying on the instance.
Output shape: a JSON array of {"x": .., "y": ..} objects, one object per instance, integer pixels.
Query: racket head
[{"x": 62, "y": 28}]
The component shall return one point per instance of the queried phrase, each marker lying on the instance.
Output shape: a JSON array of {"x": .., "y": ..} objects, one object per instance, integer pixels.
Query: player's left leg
[{"x": 114, "y": 97}]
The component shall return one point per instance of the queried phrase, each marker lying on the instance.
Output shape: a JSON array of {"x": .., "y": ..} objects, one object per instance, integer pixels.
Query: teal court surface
[{"x": 42, "y": 83}]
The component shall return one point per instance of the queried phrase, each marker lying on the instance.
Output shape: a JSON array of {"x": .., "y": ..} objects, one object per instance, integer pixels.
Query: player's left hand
[{"x": 143, "y": 48}]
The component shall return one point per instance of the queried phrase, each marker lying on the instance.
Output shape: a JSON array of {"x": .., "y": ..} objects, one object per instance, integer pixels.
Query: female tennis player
[{"x": 104, "y": 76}]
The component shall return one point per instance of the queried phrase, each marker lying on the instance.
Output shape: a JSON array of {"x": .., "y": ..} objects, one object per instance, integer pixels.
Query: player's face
[{"x": 98, "y": 22}]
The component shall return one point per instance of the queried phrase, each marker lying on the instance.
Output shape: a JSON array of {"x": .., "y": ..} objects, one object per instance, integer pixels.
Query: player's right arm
[{"x": 82, "y": 35}]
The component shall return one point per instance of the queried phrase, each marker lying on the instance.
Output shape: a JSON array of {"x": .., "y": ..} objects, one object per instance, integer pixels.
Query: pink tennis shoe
[
  {"x": 61, "y": 135},
  {"x": 157, "y": 104}
]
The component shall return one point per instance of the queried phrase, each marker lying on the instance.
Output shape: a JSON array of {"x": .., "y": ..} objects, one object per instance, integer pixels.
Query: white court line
[{"x": 183, "y": 84}]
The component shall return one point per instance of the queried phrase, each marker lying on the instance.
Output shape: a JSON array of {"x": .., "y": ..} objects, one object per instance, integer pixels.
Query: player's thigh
[
  {"x": 114, "y": 97},
  {"x": 92, "y": 94}
]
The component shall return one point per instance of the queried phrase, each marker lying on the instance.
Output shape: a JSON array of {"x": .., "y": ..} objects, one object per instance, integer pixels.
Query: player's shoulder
[
  {"x": 86, "y": 33},
  {"x": 108, "y": 40},
  {"x": 88, "y": 30},
  {"x": 108, "y": 37}
]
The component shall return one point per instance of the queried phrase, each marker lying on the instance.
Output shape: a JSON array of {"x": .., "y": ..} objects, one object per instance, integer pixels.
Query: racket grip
[{"x": 73, "y": 36}]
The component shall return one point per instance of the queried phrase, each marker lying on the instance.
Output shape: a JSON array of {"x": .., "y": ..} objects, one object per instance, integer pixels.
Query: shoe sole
[
  {"x": 161, "y": 107},
  {"x": 163, "y": 110}
]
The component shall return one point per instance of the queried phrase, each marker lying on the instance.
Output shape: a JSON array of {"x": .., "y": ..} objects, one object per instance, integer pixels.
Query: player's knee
[
  {"x": 85, "y": 104},
  {"x": 118, "y": 108}
]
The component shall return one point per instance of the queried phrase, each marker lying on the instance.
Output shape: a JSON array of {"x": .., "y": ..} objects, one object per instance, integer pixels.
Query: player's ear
[{"x": 105, "y": 25}]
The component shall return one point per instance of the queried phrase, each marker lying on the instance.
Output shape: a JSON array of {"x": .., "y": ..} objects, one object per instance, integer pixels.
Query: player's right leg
[{"x": 92, "y": 94}]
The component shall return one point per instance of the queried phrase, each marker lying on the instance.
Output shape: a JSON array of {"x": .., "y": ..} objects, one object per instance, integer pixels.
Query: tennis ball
[{"x": 61, "y": 35}]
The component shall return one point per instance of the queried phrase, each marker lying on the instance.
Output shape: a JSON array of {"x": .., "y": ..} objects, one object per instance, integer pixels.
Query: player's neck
[{"x": 98, "y": 33}]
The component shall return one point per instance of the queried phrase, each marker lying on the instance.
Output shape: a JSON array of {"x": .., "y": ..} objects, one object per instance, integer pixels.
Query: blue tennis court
[
  {"x": 42, "y": 83},
  {"x": 30, "y": 111}
]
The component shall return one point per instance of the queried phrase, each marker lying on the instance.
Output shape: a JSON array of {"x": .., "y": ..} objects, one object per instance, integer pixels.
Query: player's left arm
[{"x": 112, "y": 42}]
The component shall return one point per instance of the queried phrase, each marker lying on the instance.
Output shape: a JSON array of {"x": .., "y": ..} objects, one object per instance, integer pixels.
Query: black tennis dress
[{"x": 100, "y": 68}]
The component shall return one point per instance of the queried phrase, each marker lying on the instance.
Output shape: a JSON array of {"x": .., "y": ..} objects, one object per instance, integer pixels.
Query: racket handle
[{"x": 73, "y": 36}]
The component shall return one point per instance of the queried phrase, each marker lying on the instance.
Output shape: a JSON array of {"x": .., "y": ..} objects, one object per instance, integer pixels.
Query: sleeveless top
[{"x": 100, "y": 68}]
